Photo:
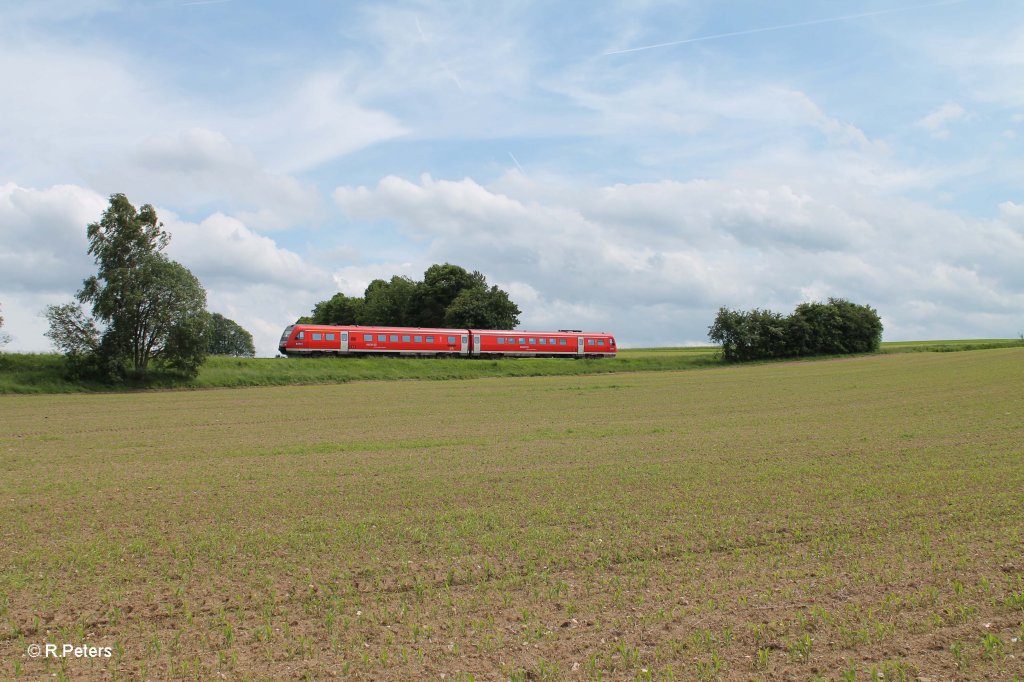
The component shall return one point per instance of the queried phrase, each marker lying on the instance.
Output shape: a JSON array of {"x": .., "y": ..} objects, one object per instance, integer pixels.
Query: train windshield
[{"x": 287, "y": 333}]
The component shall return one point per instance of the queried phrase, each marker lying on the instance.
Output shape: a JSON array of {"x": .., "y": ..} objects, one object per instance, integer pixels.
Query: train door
[
  {"x": 464, "y": 348},
  {"x": 579, "y": 347},
  {"x": 344, "y": 342},
  {"x": 476, "y": 344}
]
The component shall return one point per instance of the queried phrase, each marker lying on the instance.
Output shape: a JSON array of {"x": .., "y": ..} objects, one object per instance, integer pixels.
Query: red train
[{"x": 318, "y": 339}]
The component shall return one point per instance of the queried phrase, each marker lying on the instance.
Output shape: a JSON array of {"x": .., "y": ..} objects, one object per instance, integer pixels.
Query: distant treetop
[
  {"x": 833, "y": 328},
  {"x": 448, "y": 296}
]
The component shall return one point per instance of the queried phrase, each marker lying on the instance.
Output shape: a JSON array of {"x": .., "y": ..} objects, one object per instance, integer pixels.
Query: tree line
[
  {"x": 836, "y": 327},
  {"x": 145, "y": 310},
  {"x": 447, "y": 296}
]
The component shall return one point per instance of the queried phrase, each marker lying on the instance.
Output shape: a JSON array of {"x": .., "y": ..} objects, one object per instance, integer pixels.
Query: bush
[
  {"x": 834, "y": 328},
  {"x": 750, "y": 335}
]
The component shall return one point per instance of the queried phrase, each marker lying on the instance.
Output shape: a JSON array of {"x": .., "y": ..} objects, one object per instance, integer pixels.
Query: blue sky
[{"x": 627, "y": 167}]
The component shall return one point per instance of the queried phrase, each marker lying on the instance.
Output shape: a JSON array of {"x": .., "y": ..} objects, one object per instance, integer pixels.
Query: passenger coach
[{"x": 318, "y": 340}]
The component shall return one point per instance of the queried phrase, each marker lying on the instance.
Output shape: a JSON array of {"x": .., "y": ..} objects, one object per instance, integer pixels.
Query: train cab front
[{"x": 282, "y": 346}]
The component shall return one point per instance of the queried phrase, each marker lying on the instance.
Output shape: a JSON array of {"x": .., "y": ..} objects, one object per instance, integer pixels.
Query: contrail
[
  {"x": 812, "y": 22},
  {"x": 444, "y": 67},
  {"x": 516, "y": 162}
]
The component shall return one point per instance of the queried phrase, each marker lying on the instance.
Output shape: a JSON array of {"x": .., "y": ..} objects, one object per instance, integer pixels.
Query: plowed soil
[{"x": 844, "y": 519}]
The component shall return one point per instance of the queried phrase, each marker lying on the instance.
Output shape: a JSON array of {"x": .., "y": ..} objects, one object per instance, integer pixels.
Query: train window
[
  {"x": 590, "y": 342},
  {"x": 430, "y": 339},
  {"x": 522, "y": 340},
  {"x": 367, "y": 337},
  {"x": 394, "y": 337},
  {"x": 600, "y": 342},
  {"x": 561, "y": 342},
  {"x": 317, "y": 336},
  {"x": 451, "y": 340},
  {"x": 330, "y": 337},
  {"x": 543, "y": 342},
  {"x": 382, "y": 337},
  {"x": 501, "y": 340},
  {"x": 418, "y": 339},
  {"x": 533, "y": 340},
  {"x": 405, "y": 338},
  {"x": 300, "y": 336},
  {"x": 552, "y": 342}
]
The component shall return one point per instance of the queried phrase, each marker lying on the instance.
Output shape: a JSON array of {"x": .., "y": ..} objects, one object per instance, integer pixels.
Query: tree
[
  {"x": 72, "y": 331},
  {"x": 441, "y": 285},
  {"x": 478, "y": 308},
  {"x": 757, "y": 334},
  {"x": 449, "y": 295},
  {"x": 145, "y": 307},
  {"x": 388, "y": 303},
  {"x": 227, "y": 337},
  {"x": 814, "y": 328},
  {"x": 860, "y": 325},
  {"x": 834, "y": 328},
  {"x": 339, "y": 309}
]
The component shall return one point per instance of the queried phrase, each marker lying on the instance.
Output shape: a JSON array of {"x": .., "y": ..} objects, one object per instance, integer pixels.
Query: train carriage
[
  {"x": 314, "y": 340},
  {"x": 532, "y": 344},
  {"x": 317, "y": 340}
]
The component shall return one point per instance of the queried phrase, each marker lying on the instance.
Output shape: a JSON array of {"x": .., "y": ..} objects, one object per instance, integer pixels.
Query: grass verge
[{"x": 43, "y": 373}]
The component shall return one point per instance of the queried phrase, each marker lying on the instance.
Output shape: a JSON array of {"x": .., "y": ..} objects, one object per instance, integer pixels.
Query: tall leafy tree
[
  {"x": 227, "y": 337},
  {"x": 481, "y": 308},
  {"x": 338, "y": 309},
  {"x": 388, "y": 302},
  {"x": 449, "y": 295},
  {"x": 145, "y": 307},
  {"x": 73, "y": 332},
  {"x": 441, "y": 285},
  {"x": 836, "y": 327}
]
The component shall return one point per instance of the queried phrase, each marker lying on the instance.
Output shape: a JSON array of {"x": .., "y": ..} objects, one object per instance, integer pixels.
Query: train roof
[
  {"x": 548, "y": 332},
  {"x": 385, "y": 329},
  {"x": 355, "y": 328}
]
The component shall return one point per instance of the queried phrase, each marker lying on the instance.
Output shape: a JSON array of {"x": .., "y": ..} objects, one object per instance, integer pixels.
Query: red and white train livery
[{"x": 318, "y": 339}]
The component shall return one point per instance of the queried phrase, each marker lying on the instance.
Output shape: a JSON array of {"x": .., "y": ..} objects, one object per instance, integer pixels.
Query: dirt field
[{"x": 794, "y": 521}]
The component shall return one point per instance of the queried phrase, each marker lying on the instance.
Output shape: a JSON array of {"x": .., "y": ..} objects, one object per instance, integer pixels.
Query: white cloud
[
  {"x": 319, "y": 120},
  {"x": 43, "y": 260},
  {"x": 664, "y": 101},
  {"x": 199, "y": 167},
  {"x": 42, "y": 237},
  {"x": 986, "y": 62},
  {"x": 352, "y": 280},
  {"x": 937, "y": 122},
  {"x": 223, "y": 249},
  {"x": 677, "y": 251},
  {"x": 104, "y": 121}
]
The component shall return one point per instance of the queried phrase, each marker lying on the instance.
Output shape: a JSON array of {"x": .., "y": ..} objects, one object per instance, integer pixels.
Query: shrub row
[{"x": 834, "y": 328}]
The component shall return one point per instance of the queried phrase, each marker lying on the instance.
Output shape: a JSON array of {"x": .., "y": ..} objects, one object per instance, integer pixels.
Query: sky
[{"x": 628, "y": 167}]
